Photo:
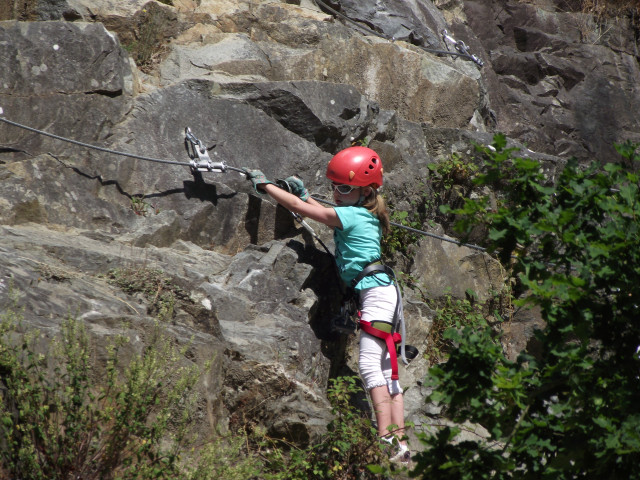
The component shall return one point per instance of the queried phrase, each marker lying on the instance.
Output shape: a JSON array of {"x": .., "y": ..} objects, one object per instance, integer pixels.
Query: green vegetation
[
  {"x": 58, "y": 422},
  {"x": 453, "y": 171},
  {"x": 453, "y": 314},
  {"x": 141, "y": 207},
  {"x": 571, "y": 411},
  {"x": 400, "y": 239},
  {"x": 63, "y": 417},
  {"x": 224, "y": 458},
  {"x": 451, "y": 181},
  {"x": 350, "y": 449}
]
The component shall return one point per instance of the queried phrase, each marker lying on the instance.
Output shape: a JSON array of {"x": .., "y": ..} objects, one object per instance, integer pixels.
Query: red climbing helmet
[{"x": 359, "y": 166}]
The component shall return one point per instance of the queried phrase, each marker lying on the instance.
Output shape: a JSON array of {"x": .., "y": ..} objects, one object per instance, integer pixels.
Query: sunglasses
[{"x": 343, "y": 189}]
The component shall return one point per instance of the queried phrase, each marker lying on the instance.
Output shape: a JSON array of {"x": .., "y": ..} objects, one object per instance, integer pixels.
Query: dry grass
[
  {"x": 606, "y": 9},
  {"x": 611, "y": 8},
  {"x": 595, "y": 18}
]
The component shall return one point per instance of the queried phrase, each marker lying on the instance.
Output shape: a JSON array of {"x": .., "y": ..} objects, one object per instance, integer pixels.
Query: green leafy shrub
[
  {"x": 452, "y": 314},
  {"x": 452, "y": 180},
  {"x": 226, "y": 457},
  {"x": 571, "y": 411},
  {"x": 56, "y": 422},
  {"x": 62, "y": 417},
  {"x": 454, "y": 171}
]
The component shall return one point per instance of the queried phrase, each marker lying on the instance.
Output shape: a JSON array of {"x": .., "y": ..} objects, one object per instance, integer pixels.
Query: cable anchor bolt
[
  {"x": 200, "y": 159},
  {"x": 460, "y": 47}
]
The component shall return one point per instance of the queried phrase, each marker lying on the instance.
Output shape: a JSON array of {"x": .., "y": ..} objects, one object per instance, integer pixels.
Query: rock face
[
  {"x": 564, "y": 83},
  {"x": 279, "y": 86}
]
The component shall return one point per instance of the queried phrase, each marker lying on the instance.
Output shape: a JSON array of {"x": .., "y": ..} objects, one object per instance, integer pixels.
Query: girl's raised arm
[{"x": 310, "y": 209}]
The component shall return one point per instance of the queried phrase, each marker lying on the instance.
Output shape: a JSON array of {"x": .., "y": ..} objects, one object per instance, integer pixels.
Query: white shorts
[{"x": 377, "y": 304}]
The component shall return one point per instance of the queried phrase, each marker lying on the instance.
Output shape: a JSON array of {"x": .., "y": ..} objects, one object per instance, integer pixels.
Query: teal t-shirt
[{"x": 357, "y": 245}]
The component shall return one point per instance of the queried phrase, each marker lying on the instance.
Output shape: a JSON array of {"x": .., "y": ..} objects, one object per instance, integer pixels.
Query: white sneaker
[
  {"x": 403, "y": 455},
  {"x": 397, "y": 451}
]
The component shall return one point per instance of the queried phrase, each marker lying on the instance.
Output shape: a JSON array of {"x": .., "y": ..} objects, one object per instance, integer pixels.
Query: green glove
[
  {"x": 296, "y": 186},
  {"x": 257, "y": 178}
]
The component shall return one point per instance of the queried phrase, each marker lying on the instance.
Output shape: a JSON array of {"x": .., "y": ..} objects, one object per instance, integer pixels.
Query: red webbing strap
[{"x": 391, "y": 339}]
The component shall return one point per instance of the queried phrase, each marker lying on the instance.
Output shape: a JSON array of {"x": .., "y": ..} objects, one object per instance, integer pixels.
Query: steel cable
[
  {"x": 94, "y": 147},
  {"x": 150, "y": 159},
  {"x": 415, "y": 230}
]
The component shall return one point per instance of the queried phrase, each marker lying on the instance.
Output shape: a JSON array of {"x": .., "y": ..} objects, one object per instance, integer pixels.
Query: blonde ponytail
[{"x": 376, "y": 205}]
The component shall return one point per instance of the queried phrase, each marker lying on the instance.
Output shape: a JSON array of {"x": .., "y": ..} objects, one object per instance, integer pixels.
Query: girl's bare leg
[{"x": 389, "y": 411}]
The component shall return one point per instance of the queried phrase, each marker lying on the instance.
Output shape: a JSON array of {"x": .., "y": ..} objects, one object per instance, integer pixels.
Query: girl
[{"x": 358, "y": 221}]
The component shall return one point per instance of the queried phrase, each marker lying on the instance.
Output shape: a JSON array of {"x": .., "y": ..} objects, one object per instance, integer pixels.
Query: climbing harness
[
  {"x": 393, "y": 333},
  {"x": 461, "y": 49}
]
